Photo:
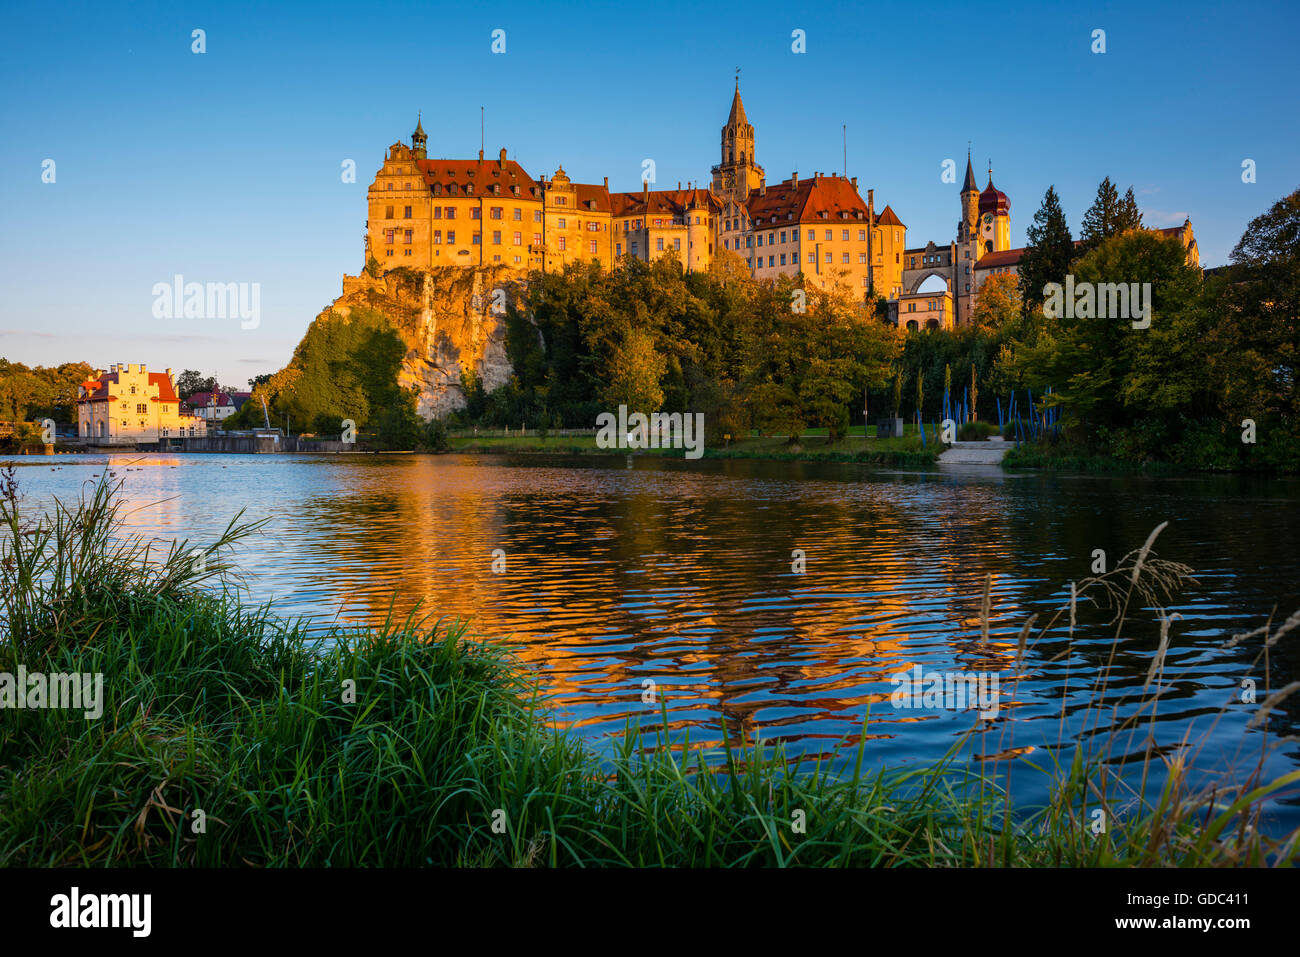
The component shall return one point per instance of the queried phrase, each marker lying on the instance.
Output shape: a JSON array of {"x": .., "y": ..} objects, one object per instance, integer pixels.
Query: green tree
[{"x": 1049, "y": 251}]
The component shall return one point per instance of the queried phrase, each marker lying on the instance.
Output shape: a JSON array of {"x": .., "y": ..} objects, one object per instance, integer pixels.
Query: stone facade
[{"x": 130, "y": 404}]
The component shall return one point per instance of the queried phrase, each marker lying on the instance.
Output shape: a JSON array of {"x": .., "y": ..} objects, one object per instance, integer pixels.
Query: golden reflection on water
[{"x": 683, "y": 576}]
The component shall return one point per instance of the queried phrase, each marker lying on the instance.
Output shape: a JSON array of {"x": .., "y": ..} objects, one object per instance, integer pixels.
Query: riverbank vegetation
[{"x": 228, "y": 737}]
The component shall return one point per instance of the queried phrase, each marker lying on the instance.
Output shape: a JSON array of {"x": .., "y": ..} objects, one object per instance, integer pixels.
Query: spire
[
  {"x": 969, "y": 186},
  {"x": 736, "y": 118},
  {"x": 418, "y": 139}
]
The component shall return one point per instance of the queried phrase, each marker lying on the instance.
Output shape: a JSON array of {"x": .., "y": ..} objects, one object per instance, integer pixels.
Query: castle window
[
  {"x": 519, "y": 239},
  {"x": 829, "y": 258},
  {"x": 518, "y": 214},
  {"x": 437, "y": 189},
  {"x": 537, "y": 215},
  {"x": 897, "y": 261},
  {"x": 618, "y": 249},
  {"x": 771, "y": 260},
  {"x": 386, "y": 186},
  {"x": 794, "y": 258},
  {"x": 469, "y": 189},
  {"x": 845, "y": 259},
  {"x": 677, "y": 244},
  {"x": 408, "y": 235},
  {"x": 561, "y": 244},
  {"x": 495, "y": 212},
  {"x": 828, "y": 233},
  {"x": 437, "y": 237},
  {"x": 437, "y": 212},
  {"x": 593, "y": 247},
  {"x": 862, "y": 257},
  {"x": 140, "y": 408},
  {"x": 783, "y": 259},
  {"x": 476, "y": 239},
  {"x": 537, "y": 239},
  {"x": 562, "y": 223},
  {"x": 496, "y": 237},
  {"x": 844, "y": 237},
  {"x": 783, "y": 235},
  {"x": 451, "y": 189},
  {"x": 451, "y": 212},
  {"x": 726, "y": 244},
  {"x": 561, "y": 201},
  {"x": 862, "y": 235},
  {"x": 388, "y": 235},
  {"x": 407, "y": 186},
  {"x": 475, "y": 213},
  {"x": 388, "y": 212},
  {"x": 659, "y": 244},
  {"x": 451, "y": 237},
  {"x": 406, "y": 252},
  {"x": 408, "y": 213}
]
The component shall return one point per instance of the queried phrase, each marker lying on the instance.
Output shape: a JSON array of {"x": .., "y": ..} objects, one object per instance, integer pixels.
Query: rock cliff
[{"x": 452, "y": 320}]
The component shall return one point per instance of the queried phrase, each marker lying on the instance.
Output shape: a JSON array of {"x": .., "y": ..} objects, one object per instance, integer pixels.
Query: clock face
[{"x": 988, "y": 220}]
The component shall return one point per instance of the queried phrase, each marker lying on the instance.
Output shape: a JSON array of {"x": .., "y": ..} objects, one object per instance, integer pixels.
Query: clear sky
[{"x": 225, "y": 166}]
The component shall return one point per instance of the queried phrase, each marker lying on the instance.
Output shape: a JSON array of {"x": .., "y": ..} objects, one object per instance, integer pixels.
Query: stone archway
[{"x": 913, "y": 278}]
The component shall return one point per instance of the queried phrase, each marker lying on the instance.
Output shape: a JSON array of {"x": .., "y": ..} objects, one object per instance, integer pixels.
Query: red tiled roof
[
  {"x": 833, "y": 195},
  {"x": 1005, "y": 257},
  {"x": 672, "y": 202},
  {"x": 887, "y": 217},
  {"x": 483, "y": 174},
  {"x": 590, "y": 193},
  {"x": 97, "y": 389}
]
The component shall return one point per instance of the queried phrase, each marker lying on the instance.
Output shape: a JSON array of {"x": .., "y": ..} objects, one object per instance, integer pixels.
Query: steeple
[
  {"x": 736, "y": 119},
  {"x": 418, "y": 139},
  {"x": 969, "y": 185}
]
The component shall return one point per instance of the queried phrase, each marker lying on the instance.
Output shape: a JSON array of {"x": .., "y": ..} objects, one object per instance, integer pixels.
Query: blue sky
[{"x": 225, "y": 166}]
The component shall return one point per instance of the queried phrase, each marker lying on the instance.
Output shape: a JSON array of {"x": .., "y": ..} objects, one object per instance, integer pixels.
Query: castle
[{"x": 425, "y": 213}]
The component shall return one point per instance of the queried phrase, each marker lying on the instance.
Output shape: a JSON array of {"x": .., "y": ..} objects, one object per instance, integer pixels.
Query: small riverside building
[{"x": 129, "y": 404}]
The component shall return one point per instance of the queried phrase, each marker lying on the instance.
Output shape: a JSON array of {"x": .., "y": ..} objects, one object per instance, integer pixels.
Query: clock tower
[{"x": 738, "y": 174}]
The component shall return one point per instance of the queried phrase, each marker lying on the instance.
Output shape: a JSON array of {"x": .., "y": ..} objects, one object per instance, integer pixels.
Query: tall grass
[{"x": 231, "y": 737}]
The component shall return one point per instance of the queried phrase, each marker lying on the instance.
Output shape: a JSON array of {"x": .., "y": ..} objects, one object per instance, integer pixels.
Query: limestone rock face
[{"x": 451, "y": 319}]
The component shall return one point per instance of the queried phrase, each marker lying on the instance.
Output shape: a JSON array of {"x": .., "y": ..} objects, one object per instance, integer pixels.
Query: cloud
[
  {"x": 24, "y": 332},
  {"x": 1158, "y": 217}
]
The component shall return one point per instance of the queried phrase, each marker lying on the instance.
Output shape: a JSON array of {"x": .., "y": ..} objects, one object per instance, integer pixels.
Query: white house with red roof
[
  {"x": 215, "y": 406},
  {"x": 129, "y": 404}
]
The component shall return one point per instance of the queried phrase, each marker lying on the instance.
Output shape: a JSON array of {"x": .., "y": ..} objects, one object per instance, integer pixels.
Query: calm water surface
[{"x": 680, "y": 572}]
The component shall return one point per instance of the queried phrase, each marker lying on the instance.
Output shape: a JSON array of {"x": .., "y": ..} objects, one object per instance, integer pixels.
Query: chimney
[
  {"x": 794, "y": 179},
  {"x": 606, "y": 184},
  {"x": 645, "y": 191},
  {"x": 503, "y": 157},
  {"x": 679, "y": 186},
  {"x": 762, "y": 190},
  {"x": 854, "y": 181},
  {"x": 480, "y": 156}
]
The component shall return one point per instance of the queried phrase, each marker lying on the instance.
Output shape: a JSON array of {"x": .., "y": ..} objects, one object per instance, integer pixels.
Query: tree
[
  {"x": 1049, "y": 252},
  {"x": 1108, "y": 216},
  {"x": 191, "y": 381},
  {"x": 1129, "y": 216}
]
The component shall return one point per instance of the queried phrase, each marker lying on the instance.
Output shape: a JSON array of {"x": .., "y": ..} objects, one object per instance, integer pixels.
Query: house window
[
  {"x": 618, "y": 249},
  {"x": 437, "y": 237},
  {"x": 451, "y": 237},
  {"x": 794, "y": 258},
  {"x": 537, "y": 239},
  {"x": 388, "y": 235},
  {"x": 562, "y": 223},
  {"x": 408, "y": 213},
  {"x": 518, "y": 213},
  {"x": 828, "y": 235},
  {"x": 495, "y": 212},
  {"x": 475, "y": 213},
  {"x": 844, "y": 235},
  {"x": 451, "y": 212},
  {"x": 476, "y": 239},
  {"x": 862, "y": 235},
  {"x": 828, "y": 257},
  {"x": 561, "y": 244},
  {"x": 561, "y": 201},
  {"x": 771, "y": 260},
  {"x": 659, "y": 243},
  {"x": 519, "y": 239},
  {"x": 760, "y": 239},
  {"x": 437, "y": 212},
  {"x": 409, "y": 234},
  {"x": 677, "y": 244},
  {"x": 593, "y": 247},
  {"x": 496, "y": 237},
  {"x": 388, "y": 212},
  {"x": 140, "y": 408},
  {"x": 783, "y": 259},
  {"x": 537, "y": 215},
  {"x": 845, "y": 259}
]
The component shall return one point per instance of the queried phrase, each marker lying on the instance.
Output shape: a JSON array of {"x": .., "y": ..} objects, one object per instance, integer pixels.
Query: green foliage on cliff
[{"x": 345, "y": 367}]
